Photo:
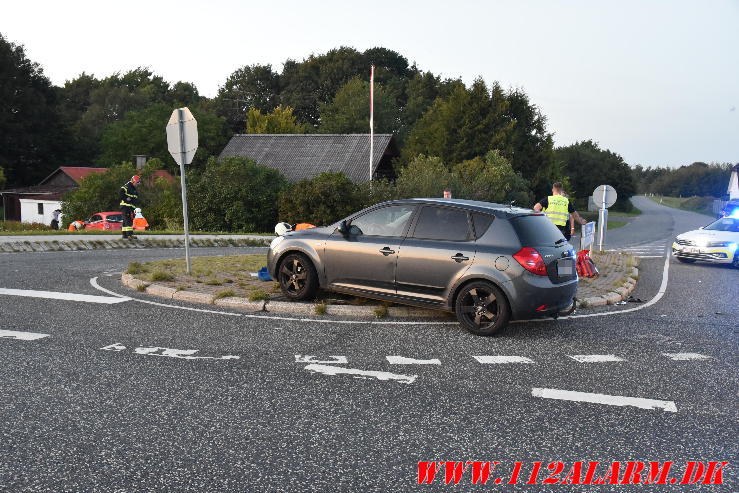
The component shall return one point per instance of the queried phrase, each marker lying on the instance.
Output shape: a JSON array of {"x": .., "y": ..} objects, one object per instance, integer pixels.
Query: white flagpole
[{"x": 371, "y": 121}]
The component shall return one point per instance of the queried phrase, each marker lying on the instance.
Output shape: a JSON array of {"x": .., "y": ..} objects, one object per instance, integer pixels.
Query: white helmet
[
  {"x": 137, "y": 210},
  {"x": 282, "y": 228}
]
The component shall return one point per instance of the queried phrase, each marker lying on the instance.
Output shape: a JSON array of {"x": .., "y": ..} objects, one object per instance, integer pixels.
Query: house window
[{"x": 41, "y": 208}]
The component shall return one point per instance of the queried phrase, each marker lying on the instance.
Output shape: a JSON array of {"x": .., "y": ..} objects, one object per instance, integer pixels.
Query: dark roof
[
  {"x": 299, "y": 156},
  {"x": 76, "y": 173}
]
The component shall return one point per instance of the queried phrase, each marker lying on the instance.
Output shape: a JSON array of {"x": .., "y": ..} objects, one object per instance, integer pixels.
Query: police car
[{"x": 718, "y": 242}]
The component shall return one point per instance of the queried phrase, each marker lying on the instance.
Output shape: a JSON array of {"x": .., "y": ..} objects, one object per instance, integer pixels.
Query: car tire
[
  {"x": 482, "y": 309},
  {"x": 297, "y": 277},
  {"x": 685, "y": 260}
]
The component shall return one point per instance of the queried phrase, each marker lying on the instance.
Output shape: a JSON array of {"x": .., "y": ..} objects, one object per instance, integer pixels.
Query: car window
[
  {"x": 441, "y": 223},
  {"x": 481, "y": 222},
  {"x": 96, "y": 217},
  {"x": 724, "y": 224},
  {"x": 536, "y": 230},
  {"x": 387, "y": 221},
  {"x": 115, "y": 218}
]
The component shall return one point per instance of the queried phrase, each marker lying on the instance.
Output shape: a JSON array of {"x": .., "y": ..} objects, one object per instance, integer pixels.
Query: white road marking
[
  {"x": 650, "y": 256},
  {"x": 594, "y": 358},
  {"x": 56, "y": 295},
  {"x": 308, "y": 358},
  {"x": 402, "y": 360},
  {"x": 166, "y": 352},
  {"x": 686, "y": 356},
  {"x": 610, "y": 400},
  {"x": 21, "y": 336},
  {"x": 498, "y": 360},
  {"x": 357, "y": 373}
]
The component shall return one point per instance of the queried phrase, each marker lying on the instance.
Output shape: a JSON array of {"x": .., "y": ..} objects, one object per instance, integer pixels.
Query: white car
[{"x": 718, "y": 242}]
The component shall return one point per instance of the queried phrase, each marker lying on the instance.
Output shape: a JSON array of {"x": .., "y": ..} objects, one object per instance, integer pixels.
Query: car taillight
[{"x": 531, "y": 260}]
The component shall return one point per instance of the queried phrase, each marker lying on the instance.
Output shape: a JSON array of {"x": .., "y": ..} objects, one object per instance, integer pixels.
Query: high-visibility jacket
[
  {"x": 301, "y": 226},
  {"x": 129, "y": 195},
  {"x": 140, "y": 223},
  {"x": 557, "y": 209}
]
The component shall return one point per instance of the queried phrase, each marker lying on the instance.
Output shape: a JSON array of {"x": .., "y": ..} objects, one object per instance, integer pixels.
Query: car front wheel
[
  {"x": 297, "y": 277},
  {"x": 482, "y": 309}
]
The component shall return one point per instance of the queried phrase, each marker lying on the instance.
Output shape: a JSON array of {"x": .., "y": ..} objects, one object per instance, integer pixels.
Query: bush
[
  {"x": 98, "y": 192},
  {"x": 19, "y": 226},
  {"x": 321, "y": 200},
  {"x": 160, "y": 275},
  {"x": 235, "y": 194}
]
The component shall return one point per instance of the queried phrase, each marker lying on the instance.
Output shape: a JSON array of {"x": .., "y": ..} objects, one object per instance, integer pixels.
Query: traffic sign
[
  {"x": 607, "y": 193},
  {"x": 182, "y": 136}
]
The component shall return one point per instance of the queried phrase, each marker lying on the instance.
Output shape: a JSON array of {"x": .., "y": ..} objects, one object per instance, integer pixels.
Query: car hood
[{"x": 709, "y": 235}]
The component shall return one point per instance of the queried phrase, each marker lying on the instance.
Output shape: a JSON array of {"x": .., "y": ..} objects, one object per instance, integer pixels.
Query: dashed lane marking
[
  {"x": 55, "y": 295},
  {"x": 686, "y": 356},
  {"x": 166, "y": 352},
  {"x": 501, "y": 360},
  {"x": 308, "y": 358},
  {"x": 402, "y": 360},
  {"x": 595, "y": 358},
  {"x": 610, "y": 400},
  {"x": 357, "y": 373},
  {"x": 21, "y": 336}
]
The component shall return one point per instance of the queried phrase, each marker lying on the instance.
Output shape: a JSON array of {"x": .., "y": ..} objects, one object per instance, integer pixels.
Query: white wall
[{"x": 29, "y": 211}]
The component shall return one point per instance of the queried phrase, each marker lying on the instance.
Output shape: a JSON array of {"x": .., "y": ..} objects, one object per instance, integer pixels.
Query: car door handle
[
  {"x": 386, "y": 251},
  {"x": 459, "y": 258}
]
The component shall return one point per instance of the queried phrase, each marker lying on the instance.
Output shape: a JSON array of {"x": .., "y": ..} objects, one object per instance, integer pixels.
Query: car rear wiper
[{"x": 560, "y": 241}]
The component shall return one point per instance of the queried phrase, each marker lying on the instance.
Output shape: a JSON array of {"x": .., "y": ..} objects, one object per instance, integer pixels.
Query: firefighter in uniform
[
  {"x": 129, "y": 200},
  {"x": 560, "y": 211}
]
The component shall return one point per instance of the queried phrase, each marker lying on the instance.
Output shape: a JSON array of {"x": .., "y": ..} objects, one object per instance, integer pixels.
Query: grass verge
[{"x": 701, "y": 205}]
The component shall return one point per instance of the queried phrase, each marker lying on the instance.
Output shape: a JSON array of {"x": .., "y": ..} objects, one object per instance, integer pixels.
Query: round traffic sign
[{"x": 606, "y": 192}]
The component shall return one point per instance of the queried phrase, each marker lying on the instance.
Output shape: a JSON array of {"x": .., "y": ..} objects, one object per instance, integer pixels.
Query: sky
[{"x": 654, "y": 81}]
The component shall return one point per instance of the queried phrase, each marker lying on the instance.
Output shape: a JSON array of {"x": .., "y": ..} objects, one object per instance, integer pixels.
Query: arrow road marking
[
  {"x": 610, "y": 400},
  {"x": 686, "y": 356},
  {"x": 55, "y": 295},
  {"x": 401, "y": 360},
  {"x": 356, "y": 373},
  {"x": 500, "y": 360},
  {"x": 595, "y": 358},
  {"x": 21, "y": 336},
  {"x": 308, "y": 358}
]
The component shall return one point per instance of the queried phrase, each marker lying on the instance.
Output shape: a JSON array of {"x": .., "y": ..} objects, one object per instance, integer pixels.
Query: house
[
  {"x": 36, "y": 204},
  {"x": 299, "y": 156}
]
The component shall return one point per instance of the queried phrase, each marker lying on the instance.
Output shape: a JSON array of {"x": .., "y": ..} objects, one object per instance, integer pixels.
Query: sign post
[
  {"x": 604, "y": 197},
  {"x": 588, "y": 236},
  {"x": 182, "y": 142}
]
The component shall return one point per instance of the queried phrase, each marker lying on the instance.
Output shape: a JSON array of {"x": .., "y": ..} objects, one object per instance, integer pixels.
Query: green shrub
[
  {"x": 320, "y": 309},
  {"x": 136, "y": 268},
  {"x": 226, "y": 293},
  {"x": 321, "y": 200},
  {"x": 160, "y": 275},
  {"x": 257, "y": 295},
  {"x": 381, "y": 311}
]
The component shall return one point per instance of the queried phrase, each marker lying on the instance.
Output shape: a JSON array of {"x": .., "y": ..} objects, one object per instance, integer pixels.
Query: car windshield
[{"x": 724, "y": 224}]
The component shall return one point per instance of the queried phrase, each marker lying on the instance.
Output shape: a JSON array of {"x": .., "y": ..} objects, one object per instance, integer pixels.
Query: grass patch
[
  {"x": 160, "y": 275},
  {"x": 141, "y": 288},
  {"x": 320, "y": 309},
  {"x": 213, "y": 282},
  {"x": 257, "y": 295},
  {"x": 226, "y": 293},
  {"x": 136, "y": 268},
  {"x": 701, "y": 205},
  {"x": 381, "y": 311},
  {"x": 275, "y": 288},
  {"x": 180, "y": 288}
]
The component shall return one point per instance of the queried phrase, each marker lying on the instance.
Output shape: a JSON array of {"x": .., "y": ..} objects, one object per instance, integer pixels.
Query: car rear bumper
[
  {"x": 707, "y": 254},
  {"x": 533, "y": 296}
]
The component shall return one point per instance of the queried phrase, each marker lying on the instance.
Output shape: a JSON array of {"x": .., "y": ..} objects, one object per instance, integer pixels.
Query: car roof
[
  {"x": 500, "y": 210},
  {"x": 109, "y": 213}
]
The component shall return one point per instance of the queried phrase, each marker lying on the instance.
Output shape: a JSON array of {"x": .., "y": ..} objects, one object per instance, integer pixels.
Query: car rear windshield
[{"x": 536, "y": 230}]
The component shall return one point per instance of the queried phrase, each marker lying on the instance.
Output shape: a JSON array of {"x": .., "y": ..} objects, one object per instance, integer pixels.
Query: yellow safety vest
[{"x": 557, "y": 209}]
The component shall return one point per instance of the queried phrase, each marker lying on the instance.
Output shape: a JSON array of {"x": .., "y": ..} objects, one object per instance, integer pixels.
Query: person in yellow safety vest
[
  {"x": 560, "y": 211},
  {"x": 129, "y": 200},
  {"x": 139, "y": 221}
]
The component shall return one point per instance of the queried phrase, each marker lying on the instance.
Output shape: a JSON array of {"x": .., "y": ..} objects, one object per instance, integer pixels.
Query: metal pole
[
  {"x": 183, "y": 151},
  {"x": 602, "y": 220},
  {"x": 371, "y": 122}
]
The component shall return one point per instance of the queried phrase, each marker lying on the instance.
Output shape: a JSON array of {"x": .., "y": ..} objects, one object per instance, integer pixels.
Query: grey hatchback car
[{"x": 488, "y": 263}]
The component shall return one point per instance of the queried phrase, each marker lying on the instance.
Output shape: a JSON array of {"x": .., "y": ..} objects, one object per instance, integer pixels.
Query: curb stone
[
  {"x": 46, "y": 246},
  {"x": 240, "y": 303},
  {"x": 194, "y": 297}
]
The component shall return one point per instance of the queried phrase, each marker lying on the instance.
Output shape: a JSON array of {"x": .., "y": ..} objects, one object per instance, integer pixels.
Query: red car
[{"x": 109, "y": 221}]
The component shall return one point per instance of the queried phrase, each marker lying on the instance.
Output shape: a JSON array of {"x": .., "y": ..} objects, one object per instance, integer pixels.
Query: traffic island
[
  {"x": 232, "y": 282},
  {"x": 117, "y": 243}
]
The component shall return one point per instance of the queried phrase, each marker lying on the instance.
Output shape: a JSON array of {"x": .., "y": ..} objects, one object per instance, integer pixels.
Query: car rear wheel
[
  {"x": 297, "y": 277},
  {"x": 482, "y": 309},
  {"x": 685, "y": 260}
]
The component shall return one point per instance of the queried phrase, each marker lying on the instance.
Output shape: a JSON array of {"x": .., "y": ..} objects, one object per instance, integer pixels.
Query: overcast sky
[{"x": 655, "y": 81}]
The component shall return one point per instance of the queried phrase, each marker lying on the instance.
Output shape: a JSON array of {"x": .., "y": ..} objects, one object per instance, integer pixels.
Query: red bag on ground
[{"x": 585, "y": 265}]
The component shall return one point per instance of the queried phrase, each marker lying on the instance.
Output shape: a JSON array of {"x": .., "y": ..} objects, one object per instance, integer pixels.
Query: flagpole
[{"x": 371, "y": 121}]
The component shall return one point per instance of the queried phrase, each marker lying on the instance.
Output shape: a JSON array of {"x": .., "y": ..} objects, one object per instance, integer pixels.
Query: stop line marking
[
  {"x": 56, "y": 295},
  {"x": 500, "y": 360},
  {"x": 595, "y": 358},
  {"x": 402, "y": 360},
  {"x": 686, "y": 356},
  {"x": 21, "y": 336},
  {"x": 610, "y": 400}
]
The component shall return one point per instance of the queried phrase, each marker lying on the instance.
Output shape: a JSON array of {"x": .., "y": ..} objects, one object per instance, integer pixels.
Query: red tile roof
[{"x": 77, "y": 173}]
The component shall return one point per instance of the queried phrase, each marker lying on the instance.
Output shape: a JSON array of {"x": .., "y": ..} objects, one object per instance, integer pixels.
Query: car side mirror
[
  {"x": 701, "y": 227},
  {"x": 343, "y": 228}
]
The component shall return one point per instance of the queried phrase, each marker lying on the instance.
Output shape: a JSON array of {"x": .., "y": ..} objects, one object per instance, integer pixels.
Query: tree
[
  {"x": 32, "y": 140},
  {"x": 587, "y": 166},
  {"x": 425, "y": 176},
  {"x": 279, "y": 121},
  {"x": 97, "y": 192},
  {"x": 348, "y": 113},
  {"x": 235, "y": 194},
  {"x": 250, "y": 87},
  {"x": 322, "y": 200},
  {"x": 2, "y": 179},
  {"x": 491, "y": 179}
]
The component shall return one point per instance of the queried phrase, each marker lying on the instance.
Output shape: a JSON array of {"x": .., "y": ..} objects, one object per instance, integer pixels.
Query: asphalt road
[{"x": 77, "y": 417}]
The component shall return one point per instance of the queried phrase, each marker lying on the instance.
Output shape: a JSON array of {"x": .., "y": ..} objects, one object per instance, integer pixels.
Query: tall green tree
[
  {"x": 32, "y": 140},
  {"x": 280, "y": 121},
  {"x": 490, "y": 179},
  {"x": 321, "y": 200},
  {"x": 249, "y": 87},
  {"x": 2, "y": 179},
  {"x": 348, "y": 113}
]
